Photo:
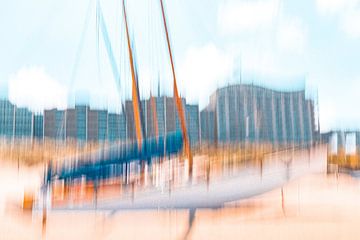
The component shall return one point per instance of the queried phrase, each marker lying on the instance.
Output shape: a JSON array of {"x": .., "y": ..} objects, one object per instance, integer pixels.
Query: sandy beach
[{"x": 314, "y": 206}]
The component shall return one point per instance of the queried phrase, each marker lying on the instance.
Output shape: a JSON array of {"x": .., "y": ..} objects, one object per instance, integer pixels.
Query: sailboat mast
[
  {"x": 178, "y": 102},
  {"x": 135, "y": 93}
]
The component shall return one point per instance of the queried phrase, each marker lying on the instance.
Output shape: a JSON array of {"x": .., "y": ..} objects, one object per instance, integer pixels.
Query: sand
[{"x": 315, "y": 206}]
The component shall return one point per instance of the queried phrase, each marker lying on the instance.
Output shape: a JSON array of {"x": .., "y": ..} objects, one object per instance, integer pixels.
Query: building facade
[
  {"x": 15, "y": 122},
  {"x": 38, "y": 126},
  {"x": 159, "y": 116},
  {"x": 193, "y": 123},
  {"x": 207, "y": 123},
  {"x": 23, "y": 123},
  {"x": 80, "y": 123},
  {"x": 236, "y": 113},
  {"x": 7, "y": 118},
  {"x": 252, "y": 113}
]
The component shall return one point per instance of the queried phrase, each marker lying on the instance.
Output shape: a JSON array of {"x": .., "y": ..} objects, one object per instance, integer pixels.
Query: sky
[{"x": 52, "y": 54}]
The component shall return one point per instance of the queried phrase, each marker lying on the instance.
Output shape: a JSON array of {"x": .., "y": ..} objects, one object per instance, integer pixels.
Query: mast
[
  {"x": 135, "y": 92},
  {"x": 178, "y": 102}
]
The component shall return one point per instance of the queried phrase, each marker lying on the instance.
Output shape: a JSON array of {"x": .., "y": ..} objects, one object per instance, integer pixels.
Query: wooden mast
[
  {"x": 135, "y": 93},
  {"x": 179, "y": 105}
]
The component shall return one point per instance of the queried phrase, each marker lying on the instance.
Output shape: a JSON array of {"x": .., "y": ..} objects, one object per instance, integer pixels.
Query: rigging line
[
  {"x": 123, "y": 57},
  {"x": 149, "y": 42},
  {"x": 154, "y": 53},
  {"x": 61, "y": 132},
  {"x": 81, "y": 45},
  {"x": 154, "y": 44},
  {"x": 108, "y": 47},
  {"x": 97, "y": 41},
  {"x": 121, "y": 92},
  {"x": 121, "y": 53},
  {"x": 151, "y": 60},
  {"x": 157, "y": 49}
]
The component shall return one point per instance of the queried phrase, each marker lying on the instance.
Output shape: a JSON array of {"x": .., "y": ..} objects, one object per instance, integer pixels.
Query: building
[
  {"x": 15, "y": 122},
  {"x": 113, "y": 126},
  {"x": 23, "y": 123},
  {"x": 193, "y": 123},
  {"x": 97, "y": 125},
  {"x": 207, "y": 123},
  {"x": 236, "y": 113},
  {"x": 341, "y": 139},
  {"x": 7, "y": 118},
  {"x": 245, "y": 112},
  {"x": 116, "y": 127},
  {"x": 54, "y": 124},
  {"x": 80, "y": 123},
  {"x": 38, "y": 126},
  {"x": 159, "y": 116}
]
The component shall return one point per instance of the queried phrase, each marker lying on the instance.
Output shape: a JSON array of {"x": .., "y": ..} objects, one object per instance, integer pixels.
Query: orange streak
[
  {"x": 178, "y": 102},
  {"x": 135, "y": 96}
]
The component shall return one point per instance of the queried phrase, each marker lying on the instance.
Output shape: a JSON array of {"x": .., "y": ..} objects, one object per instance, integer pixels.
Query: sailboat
[{"x": 242, "y": 184}]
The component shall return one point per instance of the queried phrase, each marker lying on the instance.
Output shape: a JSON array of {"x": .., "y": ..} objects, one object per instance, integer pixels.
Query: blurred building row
[
  {"x": 18, "y": 122},
  {"x": 343, "y": 150},
  {"x": 236, "y": 113},
  {"x": 342, "y": 140},
  {"x": 85, "y": 124},
  {"x": 82, "y": 123}
]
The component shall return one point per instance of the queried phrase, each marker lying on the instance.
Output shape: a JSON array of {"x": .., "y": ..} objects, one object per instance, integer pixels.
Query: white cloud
[
  {"x": 201, "y": 71},
  {"x": 271, "y": 41},
  {"x": 331, "y": 7},
  {"x": 347, "y": 13},
  {"x": 291, "y": 36},
  {"x": 260, "y": 62},
  {"x": 338, "y": 112},
  {"x": 246, "y": 15},
  {"x": 32, "y": 87},
  {"x": 350, "y": 23}
]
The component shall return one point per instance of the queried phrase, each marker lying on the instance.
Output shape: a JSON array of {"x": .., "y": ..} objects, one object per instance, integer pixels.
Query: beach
[{"x": 313, "y": 206}]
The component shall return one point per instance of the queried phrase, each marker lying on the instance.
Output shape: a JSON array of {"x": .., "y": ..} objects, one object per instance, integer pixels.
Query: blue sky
[{"x": 277, "y": 43}]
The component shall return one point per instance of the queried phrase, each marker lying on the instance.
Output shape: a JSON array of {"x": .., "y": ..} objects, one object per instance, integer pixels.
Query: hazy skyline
[{"x": 276, "y": 43}]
